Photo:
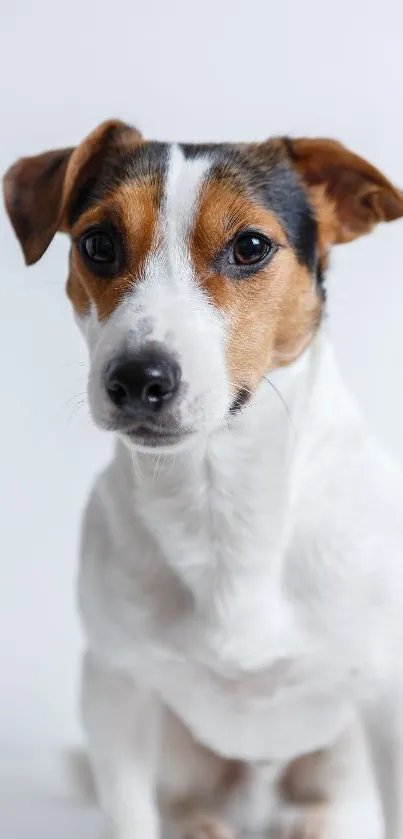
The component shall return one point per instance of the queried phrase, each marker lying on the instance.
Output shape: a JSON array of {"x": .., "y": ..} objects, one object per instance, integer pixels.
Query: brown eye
[
  {"x": 250, "y": 248},
  {"x": 102, "y": 251},
  {"x": 99, "y": 247}
]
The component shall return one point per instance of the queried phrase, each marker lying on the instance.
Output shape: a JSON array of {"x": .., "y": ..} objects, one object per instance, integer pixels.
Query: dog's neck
[{"x": 222, "y": 508}]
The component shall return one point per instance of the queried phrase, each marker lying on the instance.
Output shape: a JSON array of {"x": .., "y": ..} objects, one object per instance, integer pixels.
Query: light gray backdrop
[{"x": 211, "y": 70}]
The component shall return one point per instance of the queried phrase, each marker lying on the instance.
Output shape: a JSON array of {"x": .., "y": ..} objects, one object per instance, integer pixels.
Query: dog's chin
[
  {"x": 157, "y": 442},
  {"x": 166, "y": 436},
  {"x": 167, "y": 440}
]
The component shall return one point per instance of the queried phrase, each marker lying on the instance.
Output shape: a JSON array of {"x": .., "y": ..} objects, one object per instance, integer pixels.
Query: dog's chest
[
  {"x": 253, "y": 682},
  {"x": 214, "y": 626},
  {"x": 289, "y": 705}
]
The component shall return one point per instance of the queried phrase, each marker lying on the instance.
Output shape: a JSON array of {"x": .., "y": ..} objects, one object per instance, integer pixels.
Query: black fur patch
[
  {"x": 145, "y": 161},
  {"x": 83, "y": 198},
  {"x": 241, "y": 399}
]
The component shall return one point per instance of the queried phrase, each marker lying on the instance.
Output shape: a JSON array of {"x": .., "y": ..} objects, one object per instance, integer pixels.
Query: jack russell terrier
[{"x": 241, "y": 582}]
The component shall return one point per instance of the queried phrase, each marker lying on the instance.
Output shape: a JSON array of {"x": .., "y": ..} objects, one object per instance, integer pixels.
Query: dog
[{"x": 241, "y": 582}]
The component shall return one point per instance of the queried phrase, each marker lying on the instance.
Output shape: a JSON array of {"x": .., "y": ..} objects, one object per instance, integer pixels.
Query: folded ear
[
  {"x": 38, "y": 190},
  {"x": 349, "y": 195}
]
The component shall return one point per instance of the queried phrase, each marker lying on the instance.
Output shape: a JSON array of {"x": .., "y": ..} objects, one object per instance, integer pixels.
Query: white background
[{"x": 215, "y": 70}]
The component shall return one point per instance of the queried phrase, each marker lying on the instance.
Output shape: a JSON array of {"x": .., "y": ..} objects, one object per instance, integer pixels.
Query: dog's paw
[
  {"x": 307, "y": 823},
  {"x": 134, "y": 830},
  {"x": 330, "y": 821},
  {"x": 206, "y": 827}
]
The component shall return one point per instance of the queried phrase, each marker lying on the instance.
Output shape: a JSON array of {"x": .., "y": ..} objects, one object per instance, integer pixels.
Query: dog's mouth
[
  {"x": 147, "y": 437},
  {"x": 149, "y": 434}
]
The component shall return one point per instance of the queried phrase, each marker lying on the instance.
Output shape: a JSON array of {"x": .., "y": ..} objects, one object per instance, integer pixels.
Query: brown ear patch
[
  {"x": 33, "y": 193},
  {"x": 104, "y": 145},
  {"x": 38, "y": 190},
  {"x": 271, "y": 316},
  {"x": 132, "y": 208},
  {"x": 327, "y": 222},
  {"x": 357, "y": 194}
]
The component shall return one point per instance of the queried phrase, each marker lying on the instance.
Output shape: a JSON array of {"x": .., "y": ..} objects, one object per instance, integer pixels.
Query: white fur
[{"x": 242, "y": 596}]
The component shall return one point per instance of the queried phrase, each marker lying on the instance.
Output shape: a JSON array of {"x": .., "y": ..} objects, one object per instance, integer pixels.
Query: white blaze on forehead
[
  {"x": 184, "y": 181},
  {"x": 169, "y": 265},
  {"x": 170, "y": 293}
]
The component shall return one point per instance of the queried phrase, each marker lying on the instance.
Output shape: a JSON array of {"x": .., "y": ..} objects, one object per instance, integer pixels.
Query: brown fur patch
[
  {"x": 328, "y": 224},
  {"x": 233, "y": 774},
  {"x": 39, "y": 190},
  {"x": 273, "y": 314},
  {"x": 133, "y": 208},
  {"x": 33, "y": 194},
  {"x": 309, "y": 823},
  {"x": 203, "y": 826},
  {"x": 359, "y": 194},
  {"x": 302, "y": 781}
]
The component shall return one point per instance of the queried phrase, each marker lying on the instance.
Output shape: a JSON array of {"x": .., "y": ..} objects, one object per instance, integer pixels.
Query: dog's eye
[
  {"x": 250, "y": 248},
  {"x": 101, "y": 251},
  {"x": 99, "y": 246}
]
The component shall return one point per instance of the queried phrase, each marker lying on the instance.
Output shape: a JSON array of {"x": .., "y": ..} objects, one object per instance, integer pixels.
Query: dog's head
[{"x": 194, "y": 270}]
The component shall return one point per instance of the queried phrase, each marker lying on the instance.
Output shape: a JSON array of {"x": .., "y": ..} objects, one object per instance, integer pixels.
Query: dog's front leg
[
  {"x": 385, "y": 731},
  {"x": 121, "y": 722}
]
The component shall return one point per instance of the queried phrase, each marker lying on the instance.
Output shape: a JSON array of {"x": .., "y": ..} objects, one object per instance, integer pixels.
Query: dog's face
[{"x": 194, "y": 270}]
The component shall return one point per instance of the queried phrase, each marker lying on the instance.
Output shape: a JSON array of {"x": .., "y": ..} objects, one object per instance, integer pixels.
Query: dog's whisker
[
  {"x": 136, "y": 465},
  {"x": 282, "y": 400},
  {"x": 81, "y": 396},
  {"x": 84, "y": 364},
  {"x": 75, "y": 409}
]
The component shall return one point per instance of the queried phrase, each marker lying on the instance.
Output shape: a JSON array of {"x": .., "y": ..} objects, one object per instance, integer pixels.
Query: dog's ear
[
  {"x": 349, "y": 195},
  {"x": 39, "y": 190}
]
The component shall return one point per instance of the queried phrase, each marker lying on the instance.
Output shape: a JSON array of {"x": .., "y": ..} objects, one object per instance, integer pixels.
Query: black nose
[{"x": 144, "y": 383}]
